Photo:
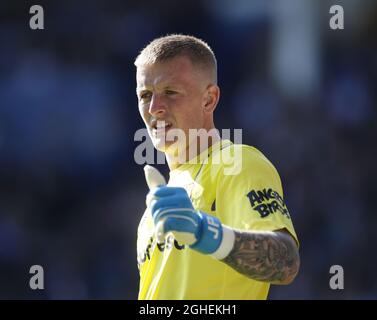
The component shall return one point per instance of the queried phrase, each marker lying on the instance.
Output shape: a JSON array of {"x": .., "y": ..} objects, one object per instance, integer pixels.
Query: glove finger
[
  {"x": 182, "y": 229},
  {"x": 160, "y": 232},
  {"x": 180, "y": 223},
  {"x": 165, "y": 191},
  {"x": 162, "y": 206},
  {"x": 156, "y": 194},
  {"x": 153, "y": 177}
]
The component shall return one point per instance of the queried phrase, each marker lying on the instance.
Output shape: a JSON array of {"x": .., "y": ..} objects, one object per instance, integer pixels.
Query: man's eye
[
  {"x": 145, "y": 96},
  {"x": 170, "y": 92}
]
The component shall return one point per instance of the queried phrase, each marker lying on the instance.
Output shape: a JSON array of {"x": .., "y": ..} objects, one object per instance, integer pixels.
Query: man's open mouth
[{"x": 160, "y": 127}]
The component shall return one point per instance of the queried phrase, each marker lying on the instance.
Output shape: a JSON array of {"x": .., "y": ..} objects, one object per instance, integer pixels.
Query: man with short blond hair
[{"x": 210, "y": 233}]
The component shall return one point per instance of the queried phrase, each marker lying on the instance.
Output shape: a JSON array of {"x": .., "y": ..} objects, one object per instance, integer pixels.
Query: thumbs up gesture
[{"x": 172, "y": 211}]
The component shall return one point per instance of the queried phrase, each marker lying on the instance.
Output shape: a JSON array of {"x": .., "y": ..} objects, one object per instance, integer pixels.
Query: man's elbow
[{"x": 292, "y": 270}]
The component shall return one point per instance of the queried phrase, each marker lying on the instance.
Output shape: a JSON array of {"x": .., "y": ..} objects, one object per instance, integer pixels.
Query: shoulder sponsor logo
[{"x": 266, "y": 202}]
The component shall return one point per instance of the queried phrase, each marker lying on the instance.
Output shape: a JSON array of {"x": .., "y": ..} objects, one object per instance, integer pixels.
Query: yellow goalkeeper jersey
[{"x": 238, "y": 185}]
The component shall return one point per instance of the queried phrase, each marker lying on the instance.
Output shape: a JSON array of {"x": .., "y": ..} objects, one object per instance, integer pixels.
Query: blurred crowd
[{"x": 71, "y": 194}]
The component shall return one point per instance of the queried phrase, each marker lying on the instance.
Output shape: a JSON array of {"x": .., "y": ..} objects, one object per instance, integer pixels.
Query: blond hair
[{"x": 175, "y": 45}]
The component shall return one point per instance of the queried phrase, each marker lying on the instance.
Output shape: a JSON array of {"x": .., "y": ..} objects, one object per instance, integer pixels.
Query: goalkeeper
[{"x": 214, "y": 231}]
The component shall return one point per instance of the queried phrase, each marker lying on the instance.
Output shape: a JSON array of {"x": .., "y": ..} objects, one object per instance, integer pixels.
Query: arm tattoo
[{"x": 265, "y": 256}]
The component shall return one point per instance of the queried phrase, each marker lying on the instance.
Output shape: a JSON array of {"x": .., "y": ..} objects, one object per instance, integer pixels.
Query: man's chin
[
  {"x": 168, "y": 147},
  {"x": 161, "y": 145}
]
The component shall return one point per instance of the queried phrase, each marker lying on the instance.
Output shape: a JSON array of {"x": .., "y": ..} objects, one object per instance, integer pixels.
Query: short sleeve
[{"x": 249, "y": 194}]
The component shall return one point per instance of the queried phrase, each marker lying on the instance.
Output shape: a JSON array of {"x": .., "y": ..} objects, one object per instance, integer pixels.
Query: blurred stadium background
[{"x": 71, "y": 194}]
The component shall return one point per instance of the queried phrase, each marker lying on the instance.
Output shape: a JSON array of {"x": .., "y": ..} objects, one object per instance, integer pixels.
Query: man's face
[{"x": 172, "y": 94}]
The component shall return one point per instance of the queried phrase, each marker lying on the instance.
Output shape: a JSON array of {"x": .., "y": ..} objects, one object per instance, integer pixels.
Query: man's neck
[{"x": 192, "y": 150}]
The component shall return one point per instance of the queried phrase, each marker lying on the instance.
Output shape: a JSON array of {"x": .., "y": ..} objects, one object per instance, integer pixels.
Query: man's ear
[{"x": 212, "y": 97}]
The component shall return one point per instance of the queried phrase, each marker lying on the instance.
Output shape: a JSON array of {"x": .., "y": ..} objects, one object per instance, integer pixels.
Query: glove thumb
[{"x": 153, "y": 177}]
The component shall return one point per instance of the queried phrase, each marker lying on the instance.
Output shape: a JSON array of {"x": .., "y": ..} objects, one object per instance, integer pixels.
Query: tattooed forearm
[{"x": 265, "y": 256}]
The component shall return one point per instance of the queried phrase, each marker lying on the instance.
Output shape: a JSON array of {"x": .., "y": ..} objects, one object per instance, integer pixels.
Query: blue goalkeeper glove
[{"x": 172, "y": 211}]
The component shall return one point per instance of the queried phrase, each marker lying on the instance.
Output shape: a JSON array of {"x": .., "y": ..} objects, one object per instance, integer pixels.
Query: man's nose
[{"x": 157, "y": 105}]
